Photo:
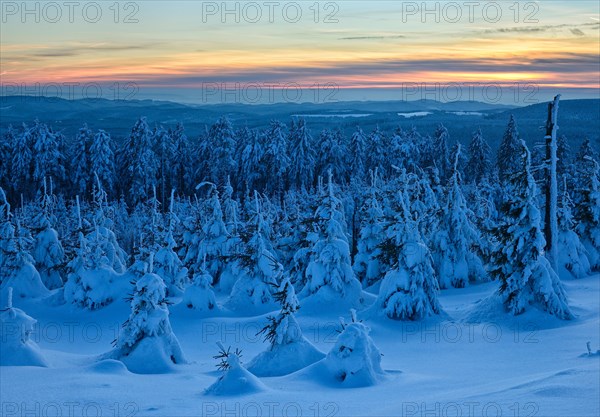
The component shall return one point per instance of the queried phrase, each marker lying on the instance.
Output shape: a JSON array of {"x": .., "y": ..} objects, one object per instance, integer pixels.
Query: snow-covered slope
[{"x": 531, "y": 364}]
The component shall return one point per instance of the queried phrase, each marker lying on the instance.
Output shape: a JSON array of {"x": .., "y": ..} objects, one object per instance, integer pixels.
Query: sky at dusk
[{"x": 365, "y": 49}]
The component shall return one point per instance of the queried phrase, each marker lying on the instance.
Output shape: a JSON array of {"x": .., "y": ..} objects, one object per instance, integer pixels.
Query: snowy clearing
[
  {"x": 334, "y": 115},
  {"x": 466, "y": 113},
  {"x": 415, "y": 114},
  {"x": 531, "y": 364}
]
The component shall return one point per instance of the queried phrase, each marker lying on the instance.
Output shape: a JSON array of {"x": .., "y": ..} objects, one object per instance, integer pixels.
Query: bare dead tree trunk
[{"x": 551, "y": 223}]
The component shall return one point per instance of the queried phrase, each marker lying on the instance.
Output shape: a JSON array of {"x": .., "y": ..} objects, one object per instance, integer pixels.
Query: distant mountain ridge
[{"x": 577, "y": 118}]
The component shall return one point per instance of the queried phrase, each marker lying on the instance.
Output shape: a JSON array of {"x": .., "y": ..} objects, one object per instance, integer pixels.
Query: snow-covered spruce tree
[
  {"x": 80, "y": 160},
  {"x": 526, "y": 276},
  {"x": 276, "y": 157},
  {"x": 457, "y": 250},
  {"x": 458, "y": 161},
  {"x": 74, "y": 290},
  {"x": 221, "y": 141},
  {"x": 367, "y": 265},
  {"x": 406, "y": 149},
  {"x": 235, "y": 380},
  {"x": 65, "y": 212},
  {"x": 289, "y": 350},
  {"x": 149, "y": 217},
  {"x": 332, "y": 154},
  {"x": 409, "y": 290},
  {"x": 324, "y": 144},
  {"x": 354, "y": 360},
  {"x": 395, "y": 149},
  {"x": 231, "y": 210},
  {"x": 232, "y": 246},
  {"x": 122, "y": 224},
  {"x": 587, "y": 203},
  {"x": 250, "y": 162},
  {"x": 479, "y": 165},
  {"x": 572, "y": 255},
  {"x": 22, "y": 162},
  {"x": 303, "y": 155},
  {"x": 6, "y": 150},
  {"x": 424, "y": 206},
  {"x": 261, "y": 271},
  {"x": 192, "y": 236},
  {"x": 298, "y": 235},
  {"x": 7, "y": 230},
  {"x": 509, "y": 153},
  {"x": 213, "y": 235},
  {"x": 357, "y": 153},
  {"x": 92, "y": 283},
  {"x": 377, "y": 152},
  {"x": 102, "y": 235},
  {"x": 181, "y": 163},
  {"x": 199, "y": 295},
  {"x": 102, "y": 161},
  {"x": 138, "y": 163},
  {"x": 441, "y": 152},
  {"x": 48, "y": 252},
  {"x": 166, "y": 262},
  {"x": 146, "y": 343},
  {"x": 564, "y": 162},
  {"x": 163, "y": 151},
  {"x": 49, "y": 159},
  {"x": 416, "y": 149},
  {"x": 18, "y": 271},
  {"x": 16, "y": 348},
  {"x": 481, "y": 200},
  {"x": 329, "y": 275}
]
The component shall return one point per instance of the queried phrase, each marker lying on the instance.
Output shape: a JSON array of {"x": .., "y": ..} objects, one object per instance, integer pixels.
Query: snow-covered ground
[
  {"x": 414, "y": 114},
  {"x": 531, "y": 365},
  {"x": 466, "y": 113},
  {"x": 334, "y": 115}
]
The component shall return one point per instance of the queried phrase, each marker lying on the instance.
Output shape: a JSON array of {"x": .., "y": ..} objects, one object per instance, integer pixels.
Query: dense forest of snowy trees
[{"x": 264, "y": 215}]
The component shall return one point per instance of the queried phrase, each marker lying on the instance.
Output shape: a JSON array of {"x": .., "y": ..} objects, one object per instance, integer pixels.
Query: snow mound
[
  {"x": 354, "y": 360},
  {"x": 153, "y": 355},
  {"x": 572, "y": 257},
  {"x": 251, "y": 296},
  {"x": 589, "y": 353},
  {"x": 285, "y": 359},
  {"x": 236, "y": 380},
  {"x": 146, "y": 343},
  {"x": 96, "y": 288},
  {"x": 108, "y": 366},
  {"x": 199, "y": 295},
  {"x": 327, "y": 299},
  {"x": 16, "y": 349},
  {"x": 48, "y": 253},
  {"x": 492, "y": 310},
  {"x": 488, "y": 309},
  {"x": 168, "y": 266},
  {"x": 26, "y": 283},
  {"x": 290, "y": 351},
  {"x": 201, "y": 299}
]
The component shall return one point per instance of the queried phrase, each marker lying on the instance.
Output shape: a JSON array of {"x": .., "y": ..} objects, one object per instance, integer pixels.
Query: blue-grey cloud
[
  {"x": 574, "y": 63},
  {"x": 75, "y": 50},
  {"x": 541, "y": 28}
]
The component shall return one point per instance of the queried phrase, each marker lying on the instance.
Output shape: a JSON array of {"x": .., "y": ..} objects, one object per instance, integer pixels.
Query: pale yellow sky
[{"x": 182, "y": 44}]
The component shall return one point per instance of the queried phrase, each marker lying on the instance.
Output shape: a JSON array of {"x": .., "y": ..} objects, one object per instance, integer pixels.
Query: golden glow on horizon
[{"x": 552, "y": 53}]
